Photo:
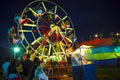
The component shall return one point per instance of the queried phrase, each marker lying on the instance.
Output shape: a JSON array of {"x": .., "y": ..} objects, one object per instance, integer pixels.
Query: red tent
[{"x": 97, "y": 42}]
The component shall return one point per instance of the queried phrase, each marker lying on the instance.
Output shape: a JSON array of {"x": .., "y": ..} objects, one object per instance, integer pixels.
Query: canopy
[{"x": 98, "y": 42}]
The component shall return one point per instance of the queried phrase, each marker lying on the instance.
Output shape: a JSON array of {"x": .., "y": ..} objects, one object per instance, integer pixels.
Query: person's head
[
  {"x": 8, "y": 59},
  {"x": 18, "y": 62},
  {"x": 28, "y": 56},
  {"x": 36, "y": 60},
  {"x": 13, "y": 63}
]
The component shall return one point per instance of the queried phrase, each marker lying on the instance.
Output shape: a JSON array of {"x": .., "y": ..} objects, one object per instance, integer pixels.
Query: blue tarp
[
  {"x": 103, "y": 49},
  {"x": 109, "y": 62}
]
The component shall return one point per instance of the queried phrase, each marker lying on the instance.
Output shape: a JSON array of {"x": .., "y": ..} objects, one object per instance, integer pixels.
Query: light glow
[{"x": 16, "y": 49}]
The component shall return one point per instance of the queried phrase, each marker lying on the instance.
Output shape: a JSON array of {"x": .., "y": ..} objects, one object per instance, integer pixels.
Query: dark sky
[{"x": 88, "y": 16}]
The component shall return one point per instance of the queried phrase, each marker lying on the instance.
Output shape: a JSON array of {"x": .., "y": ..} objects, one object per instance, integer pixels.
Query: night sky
[{"x": 88, "y": 16}]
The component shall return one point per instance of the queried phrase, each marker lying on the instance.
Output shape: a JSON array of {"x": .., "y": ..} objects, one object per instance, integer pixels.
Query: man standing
[
  {"x": 27, "y": 66},
  {"x": 5, "y": 68}
]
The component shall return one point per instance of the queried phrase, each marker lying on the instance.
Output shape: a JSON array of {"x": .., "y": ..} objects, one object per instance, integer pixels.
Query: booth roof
[{"x": 97, "y": 42}]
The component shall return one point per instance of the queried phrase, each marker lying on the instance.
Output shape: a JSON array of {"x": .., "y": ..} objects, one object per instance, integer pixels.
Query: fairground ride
[{"x": 47, "y": 30}]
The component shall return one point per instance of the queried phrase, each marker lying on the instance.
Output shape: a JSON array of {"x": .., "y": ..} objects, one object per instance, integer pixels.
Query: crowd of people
[{"x": 25, "y": 69}]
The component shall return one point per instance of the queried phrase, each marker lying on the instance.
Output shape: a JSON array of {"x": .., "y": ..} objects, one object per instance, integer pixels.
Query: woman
[
  {"x": 39, "y": 72},
  {"x": 12, "y": 72},
  {"x": 19, "y": 70}
]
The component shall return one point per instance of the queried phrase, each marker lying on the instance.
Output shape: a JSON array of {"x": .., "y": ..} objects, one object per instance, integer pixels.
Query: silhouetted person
[
  {"x": 19, "y": 69},
  {"x": 12, "y": 72},
  {"x": 118, "y": 59},
  {"x": 39, "y": 72},
  {"x": 5, "y": 68},
  {"x": 77, "y": 70},
  {"x": 27, "y": 66},
  {"x": 34, "y": 66}
]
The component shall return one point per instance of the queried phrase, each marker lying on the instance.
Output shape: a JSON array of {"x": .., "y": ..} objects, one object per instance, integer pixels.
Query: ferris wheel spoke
[
  {"x": 54, "y": 49},
  {"x": 70, "y": 29},
  {"x": 25, "y": 30},
  {"x": 61, "y": 19},
  {"x": 45, "y": 20},
  {"x": 62, "y": 45},
  {"x": 65, "y": 38},
  {"x": 29, "y": 25},
  {"x": 55, "y": 9},
  {"x": 69, "y": 40},
  {"x": 31, "y": 20},
  {"x": 37, "y": 51},
  {"x": 49, "y": 49},
  {"x": 37, "y": 40},
  {"x": 44, "y": 6},
  {"x": 42, "y": 50},
  {"x": 33, "y": 36},
  {"x": 64, "y": 18},
  {"x": 34, "y": 13},
  {"x": 62, "y": 34}
]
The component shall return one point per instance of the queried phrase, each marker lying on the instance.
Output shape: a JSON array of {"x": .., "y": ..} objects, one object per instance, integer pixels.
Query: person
[
  {"x": 77, "y": 71},
  {"x": 1, "y": 73},
  {"x": 39, "y": 72},
  {"x": 118, "y": 59},
  {"x": 5, "y": 68},
  {"x": 19, "y": 69},
  {"x": 68, "y": 59},
  {"x": 13, "y": 37},
  {"x": 27, "y": 66},
  {"x": 34, "y": 66},
  {"x": 12, "y": 72}
]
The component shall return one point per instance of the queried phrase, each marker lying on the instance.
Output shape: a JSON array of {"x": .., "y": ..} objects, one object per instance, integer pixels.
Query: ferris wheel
[{"x": 47, "y": 29}]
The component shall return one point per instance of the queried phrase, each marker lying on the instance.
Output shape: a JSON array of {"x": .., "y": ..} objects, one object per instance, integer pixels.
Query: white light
[
  {"x": 85, "y": 46},
  {"x": 16, "y": 49},
  {"x": 96, "y": 35},
  {"x": 83, "y": 52},
  {"x": 117, "y": 34}
]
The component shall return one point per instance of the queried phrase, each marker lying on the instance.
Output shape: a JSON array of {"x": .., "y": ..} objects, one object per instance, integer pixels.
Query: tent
[{"x": 97, "y": 42}]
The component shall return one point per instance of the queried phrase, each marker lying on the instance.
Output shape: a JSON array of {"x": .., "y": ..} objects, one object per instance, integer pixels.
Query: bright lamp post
[{"x": 16, "y": 50}]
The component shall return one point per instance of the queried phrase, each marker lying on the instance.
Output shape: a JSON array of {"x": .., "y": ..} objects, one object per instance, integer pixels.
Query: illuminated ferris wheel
[{"x": 47, "y": 29}]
